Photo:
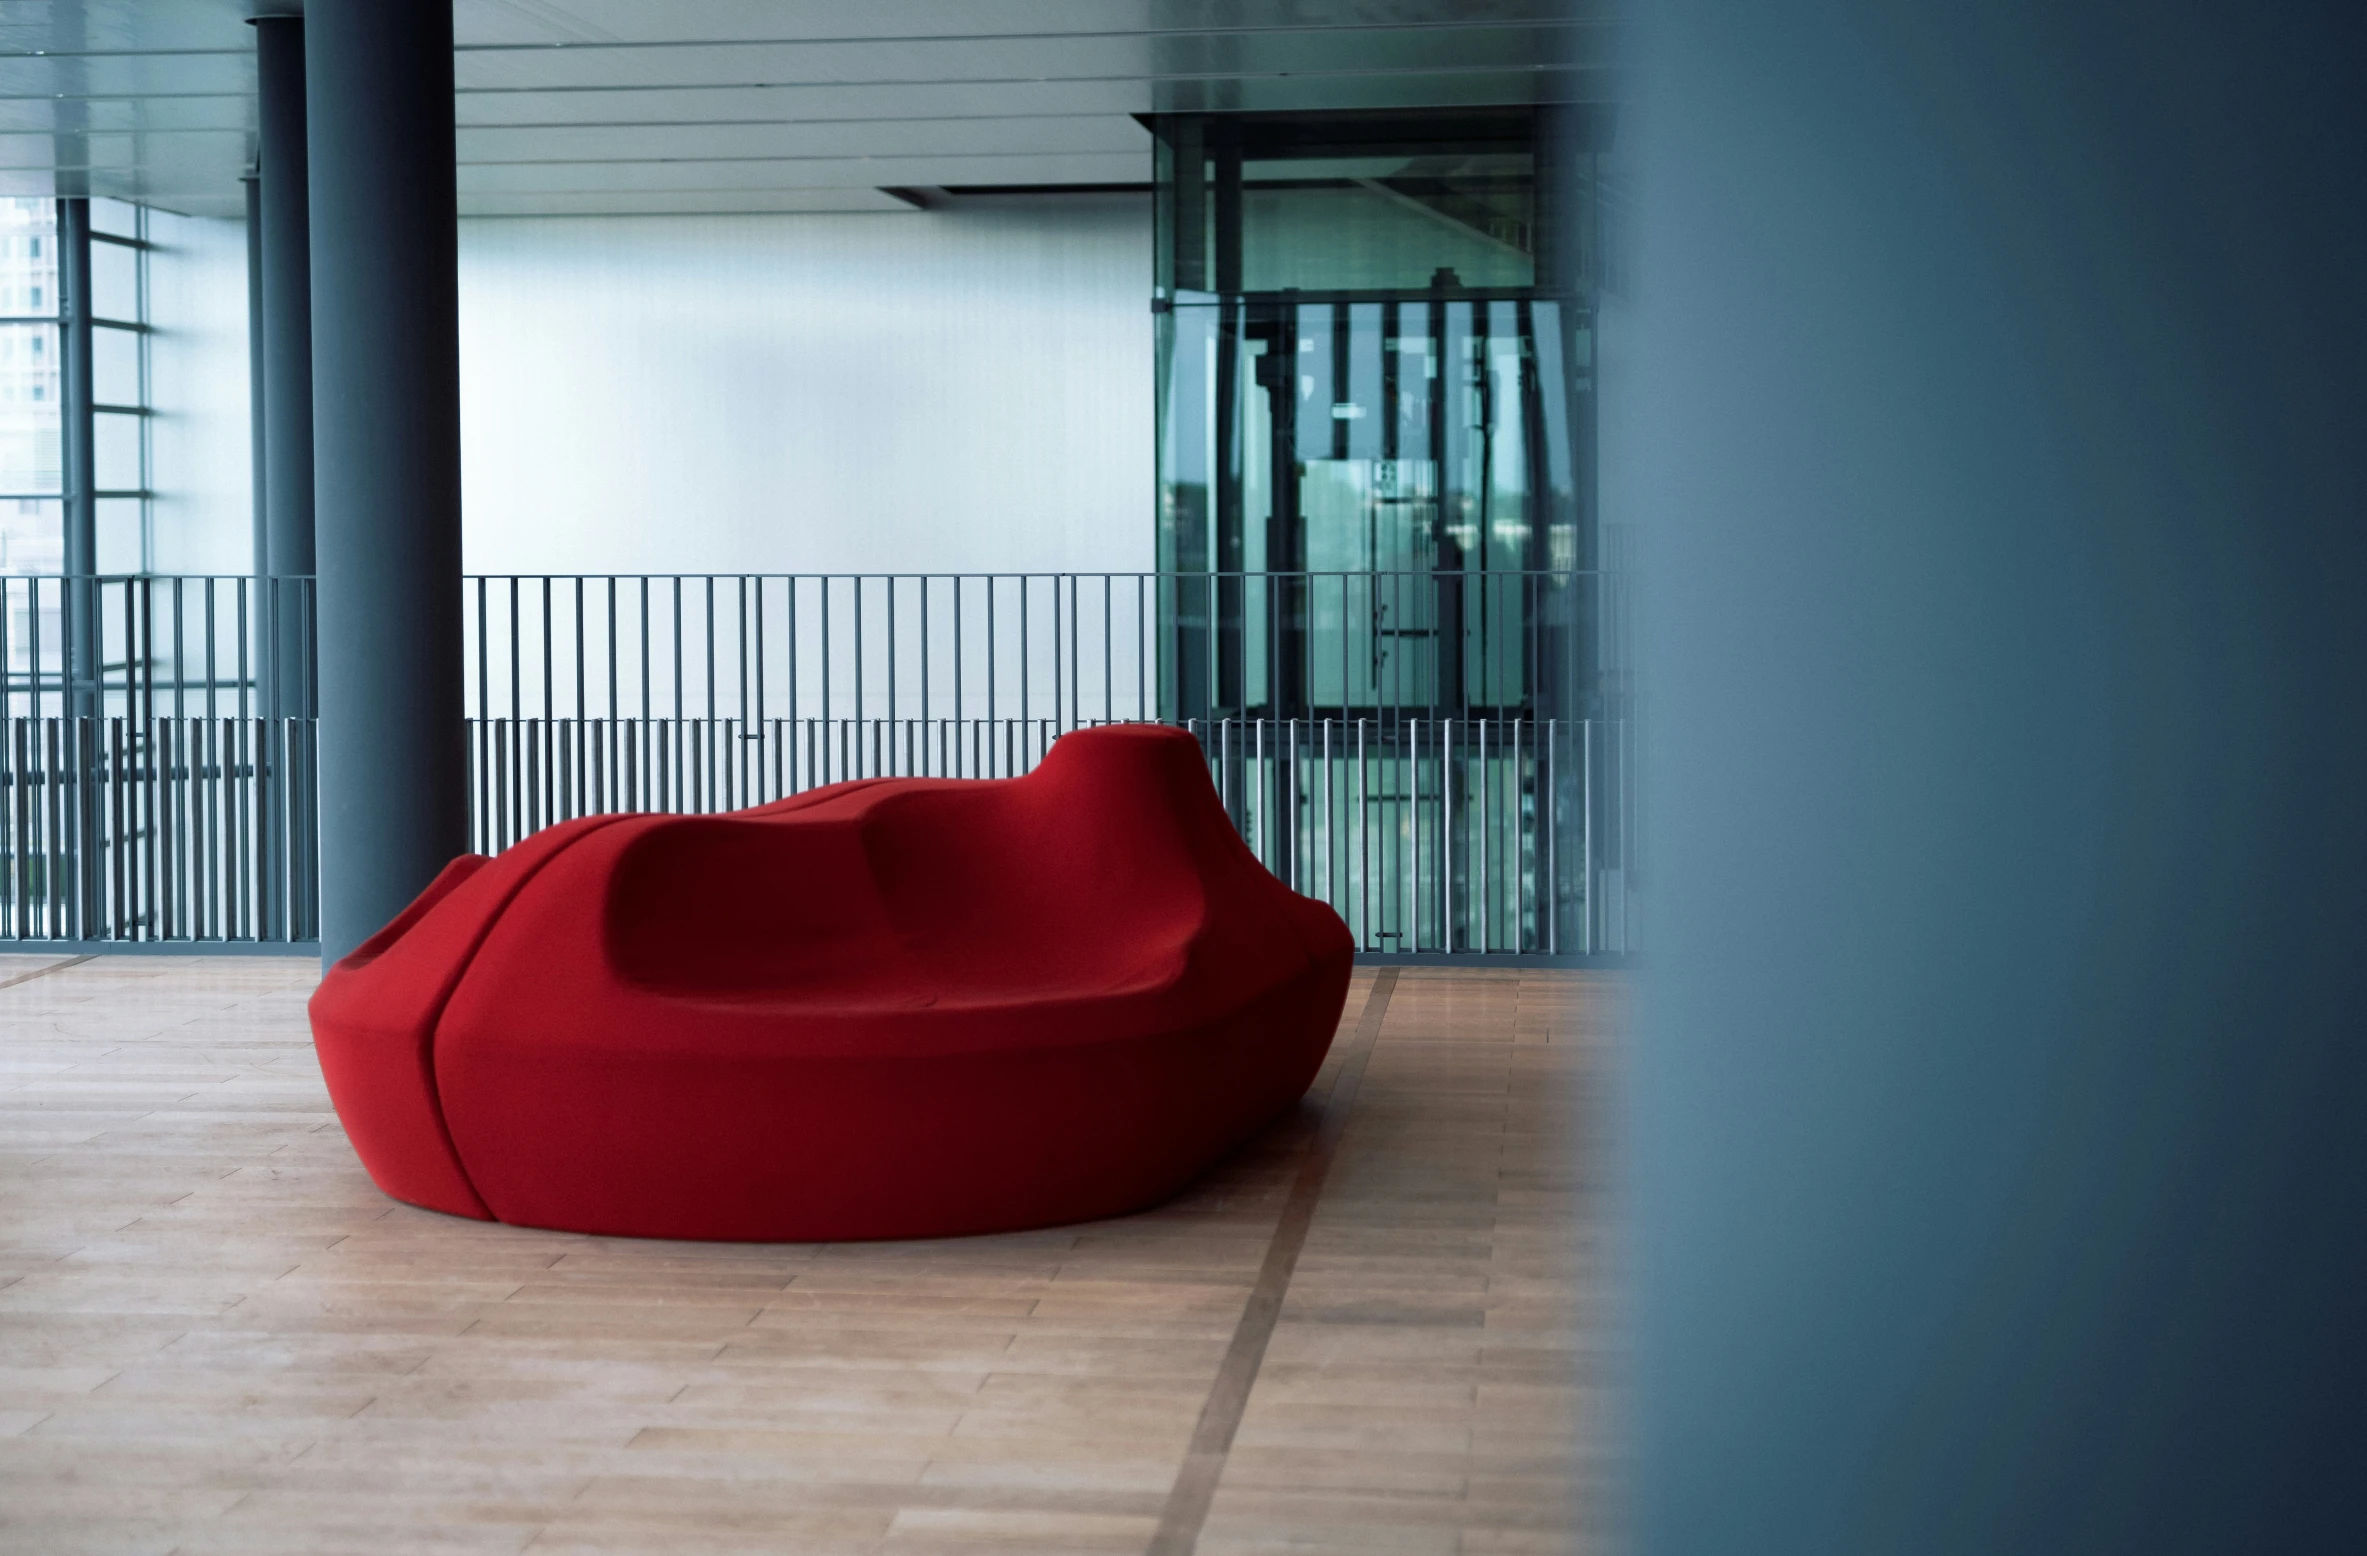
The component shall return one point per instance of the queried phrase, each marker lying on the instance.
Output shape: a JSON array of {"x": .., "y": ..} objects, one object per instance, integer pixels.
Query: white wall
[
  {"x": 203, "y": 462},
  {"x": 933, "y": 391}
]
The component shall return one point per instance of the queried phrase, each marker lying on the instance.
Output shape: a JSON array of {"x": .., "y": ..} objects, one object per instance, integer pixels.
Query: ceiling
[{"x": 605, "y": 106}]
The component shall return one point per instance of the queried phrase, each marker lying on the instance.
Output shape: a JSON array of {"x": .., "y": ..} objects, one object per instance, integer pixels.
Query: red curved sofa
[{"x": 889, "y": 1008}]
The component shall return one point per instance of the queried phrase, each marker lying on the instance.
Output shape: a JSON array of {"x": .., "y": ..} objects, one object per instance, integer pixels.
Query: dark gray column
[
  {"x": 287, "y": 362},
  {"x": 79, "y": 626},
  {"x": 77, "y": 457},
  {"x": 255, "y": 375},
  {"x": 386, "y": 437},
  {"x": 2001, "y": 1108}
]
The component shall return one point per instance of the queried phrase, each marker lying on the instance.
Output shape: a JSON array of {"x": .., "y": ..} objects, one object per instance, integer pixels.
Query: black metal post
[
  {"x": 386, "y": 428},
  {"x": 77, "y": 458},
  {"x": 287, "y": 360},
  {"x": 255, "y": 409},
  {"x": 79, "y": 627}
]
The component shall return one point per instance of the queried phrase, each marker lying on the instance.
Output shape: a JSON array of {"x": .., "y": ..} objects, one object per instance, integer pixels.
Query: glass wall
[
  {"x": 1384, "y": 600},
  {"x": 30, "y": 538},
  {"x": 1376, "y": 411},
  {"x": 123, "y": 409},
  {"x": 31, "y": 388}
]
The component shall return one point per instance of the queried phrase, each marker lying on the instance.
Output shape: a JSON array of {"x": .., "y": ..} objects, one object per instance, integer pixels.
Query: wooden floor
[{"x": 216, "y": 1336}]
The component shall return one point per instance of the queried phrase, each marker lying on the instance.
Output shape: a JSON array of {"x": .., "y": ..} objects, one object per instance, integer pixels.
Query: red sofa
[{"x": 890, "y": 1008}]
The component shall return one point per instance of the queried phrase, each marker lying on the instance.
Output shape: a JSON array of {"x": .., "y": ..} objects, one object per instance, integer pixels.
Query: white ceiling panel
[
  {"x": 1086, "y": 57},
  {"x": 778, "y": 141},
  {"x": 642, "y": 21},
  {"x": 768, "y": 105},
  {"x": 838, "y": 173},
  {"x": 677, "y": 202}
]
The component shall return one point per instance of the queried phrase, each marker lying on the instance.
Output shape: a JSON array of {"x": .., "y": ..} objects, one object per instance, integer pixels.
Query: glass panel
[
  {"x": 31, "y": 537},
  {"x": 1375, "y": 412},
  {"x": 123, "y": 541},
  {"x": 116, "y": 448},
  {"x": 1386, "y": 224},
  {"x": 114, "y": 281},
  {"x": 115, "y": 366},
  {"x": 28, "y": 408}
]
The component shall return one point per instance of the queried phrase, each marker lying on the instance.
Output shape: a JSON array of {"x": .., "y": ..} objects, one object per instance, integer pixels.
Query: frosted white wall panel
[
  {"x": 202, "y": 466},
  {"x": 926, "y": 391}
]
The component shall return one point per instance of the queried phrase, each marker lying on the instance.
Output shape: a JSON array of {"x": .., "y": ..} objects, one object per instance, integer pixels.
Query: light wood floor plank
[{"x": 217, "y": 1336}]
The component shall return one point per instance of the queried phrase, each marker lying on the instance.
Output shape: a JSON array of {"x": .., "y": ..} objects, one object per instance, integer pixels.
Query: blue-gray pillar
[
  {"x": 77, "y": 457},
  {"x": 285, "y": 251},
  {"x": 81, "y": 631},
  {"x": 386, "y": 441},
  {"x": 2000, "y": 1119},
  {"x": 253, "y": 180}
]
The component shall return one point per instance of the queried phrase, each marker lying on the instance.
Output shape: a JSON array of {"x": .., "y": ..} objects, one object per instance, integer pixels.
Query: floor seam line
[
  {"x": 43, "y": 972},
  {"x": 1194, "y": 1489}
]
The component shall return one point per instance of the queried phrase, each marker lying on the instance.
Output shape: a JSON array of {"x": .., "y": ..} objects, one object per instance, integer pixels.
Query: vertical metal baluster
[
  {"x": 110, "y": 766},
  {"x": 924, "y": 672},
  {"x": 961, "y": 654},
  {"x": 155, "y": 873},
  {"x": 1360, "y": 823},
  {"x": 1410, "y": 845},
  {"x": 991, "y": 676},
  {"x": 1236, "y": 806},
  {"x": 1255, "y": 793},
  {"x": 572, "y": 778},
  {"x": 854, "y": 768},
  {"x": 637, "y": 780},
  {"x": 1331, "y": 817},
  {"x": 33, "y": 634},
  {"x": 1481, "y": 862},
  {"x": 245, "y": 676},
  {"x": 1515, "y": 855},
  {"x": 210, "y": 841},
  {"x": 517, "y": 707},
  {"x": 484, "y": 653},
  {"x": 824, "y": 775},
  {"x": 790, "y": 621},
  {"x": 735, "y": 748}
]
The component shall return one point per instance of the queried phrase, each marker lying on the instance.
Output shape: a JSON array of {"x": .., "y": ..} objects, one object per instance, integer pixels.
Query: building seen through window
[
  {"x": 33, "y": 390},
  {"x": 31, "y": 540}
]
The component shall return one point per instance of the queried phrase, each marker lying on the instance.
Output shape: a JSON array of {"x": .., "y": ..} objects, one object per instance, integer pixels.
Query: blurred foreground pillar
[{"x": 2000, "y": 1113}]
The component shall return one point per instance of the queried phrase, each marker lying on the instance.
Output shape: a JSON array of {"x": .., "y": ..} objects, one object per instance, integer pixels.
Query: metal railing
[
  {"x": 157, "y": 753},
  {"x": 1447, "y": 759}
]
